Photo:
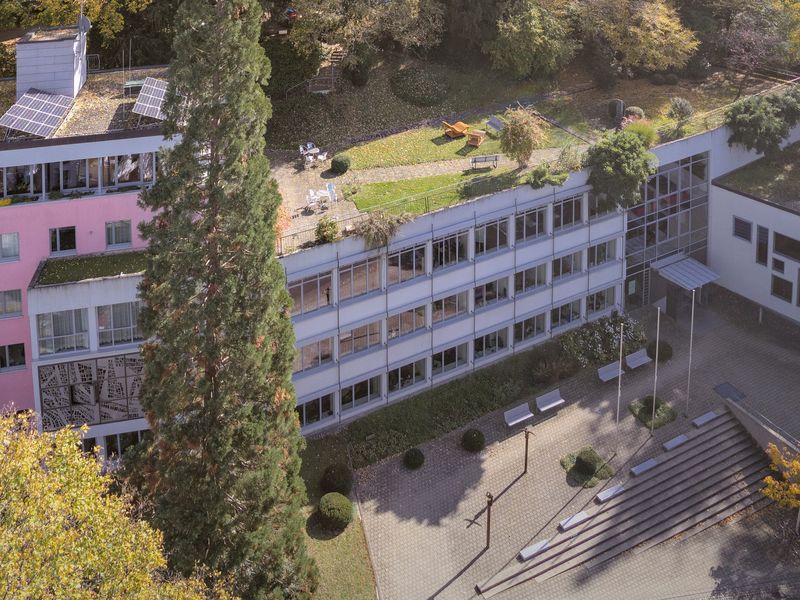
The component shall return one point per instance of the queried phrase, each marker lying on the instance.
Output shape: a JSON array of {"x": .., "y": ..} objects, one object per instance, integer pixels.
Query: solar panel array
[
  {"x": 37, "y": 113},
  {"x": 150, "y": 99}
]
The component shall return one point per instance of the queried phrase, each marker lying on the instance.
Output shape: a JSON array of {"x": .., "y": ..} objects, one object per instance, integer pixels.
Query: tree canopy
[
  {"x": 522, "y": 134},
  {"x": 620, "y": 163}
]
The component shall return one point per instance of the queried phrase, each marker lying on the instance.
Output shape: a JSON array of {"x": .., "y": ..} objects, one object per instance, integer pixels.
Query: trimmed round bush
[
  {"x": 473, "y": 440},
  {"x": 337, "y": 478},
  {"x": 335, "y": 511},
  {"x": 634, "y": 111},
  {"x": 418, "y": 87},
  {"x": 671, "y": 79},
  {"x": 413, "y": 458},
  {"x": 645, "y": 130},
  {"x": 327, "y": 231},
  {"x": 647, "y": 403},
  {"x": 664, "y": 350},
  {"x": 340, "y": 164},
  {"x": 586, "y": 462},
  {"x": 657, "y": 79}
]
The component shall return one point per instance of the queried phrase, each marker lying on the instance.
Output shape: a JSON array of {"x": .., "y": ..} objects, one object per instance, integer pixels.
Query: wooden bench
[
  {"x": 475, "y": 137},
  {"x": 518, "y": 414},
  {"x": 609, "y": 372},
  {"x": 455, "y": 131},
  {"x": 636, "y": 359},
  {"x": 489, "y": 159},
  {"x": 549, "y": 401}
]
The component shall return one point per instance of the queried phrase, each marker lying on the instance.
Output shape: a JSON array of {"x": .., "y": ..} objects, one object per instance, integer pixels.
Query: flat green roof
[
  {"x": 57, "y": 271},
  {"x": 775, "y": 179}
]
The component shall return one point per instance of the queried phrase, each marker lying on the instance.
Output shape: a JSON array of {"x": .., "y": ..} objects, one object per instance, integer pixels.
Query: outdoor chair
[
  {"x": 475, "y": 137},
  {"x": 455, "y": 131}
]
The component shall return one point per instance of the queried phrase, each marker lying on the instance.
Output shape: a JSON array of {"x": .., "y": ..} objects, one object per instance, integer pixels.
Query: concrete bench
[
  {"x": 703, "y": 419},
  {"x": 634, "y": 360},
  {"x": 573, "y": 521},
  {"x": 675, "y": 442},
  {"x": 489, "y": 159},
  {"x": 518, "y": 414},
  {"x": 643, "y": 467},
  {"x": 549, "y": 401},
  {"x": 609, "y": 493},
  {"x": 609, "y": 372},
  {"x": 534, "y": 549}
]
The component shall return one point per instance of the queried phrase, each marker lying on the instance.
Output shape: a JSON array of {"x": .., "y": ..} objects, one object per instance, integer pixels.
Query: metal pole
[
  {"x": 489, "y": 501},
  {"x": 655, "y": 376},
  {"x": 619, "y": 374},
  {"x": 691, "y": 341},
  {"x": 527, "y": 433}
]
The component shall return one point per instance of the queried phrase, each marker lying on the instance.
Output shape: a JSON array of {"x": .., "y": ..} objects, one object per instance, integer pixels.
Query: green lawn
[
  {"x": 776, "y": 179},
  {"x": 424, "y": 194},
  {"x": 67, "y": 270}
]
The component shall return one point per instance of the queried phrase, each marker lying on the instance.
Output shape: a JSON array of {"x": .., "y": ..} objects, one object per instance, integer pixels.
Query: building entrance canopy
[{"x": 684, "y": 272}]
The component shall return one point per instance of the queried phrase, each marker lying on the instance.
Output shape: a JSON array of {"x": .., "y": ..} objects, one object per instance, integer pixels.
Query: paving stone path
[{"x": 426, "y": 529}]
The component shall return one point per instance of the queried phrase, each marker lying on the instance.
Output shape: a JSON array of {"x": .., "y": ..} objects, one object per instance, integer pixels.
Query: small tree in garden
[
  {"x": 680, "y": 110},
  {"x": 619, "y": 164},
  {"x": 757, "y": 124},
  {"x": 784, "y": 488},
  {"x": 379, "y": 227},
  {"x": 327, "y": 231},
  {"x": 522, "y": 134}
]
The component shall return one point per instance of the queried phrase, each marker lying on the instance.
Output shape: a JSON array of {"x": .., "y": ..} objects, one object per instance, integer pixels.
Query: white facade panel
[
  {"x": 570, "y": 287},
  {"x": 310, "y": 384},
  {"x": 409, "y": 346},
  {"x": 568, "y": 239},
  {"x": 605, "y": 274},
  {"x": 312, "y": 324},
  {"x": 494, "y": 266}
]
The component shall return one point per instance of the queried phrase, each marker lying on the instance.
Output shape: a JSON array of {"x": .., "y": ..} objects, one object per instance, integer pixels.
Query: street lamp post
[
  {"x": 527, "y": 434},
  {"x": 655, "y": 375},
  {"x": 619, "y": 374},
  {"x": 489, "y": 502},
  {"x": 691, "y": 342}
]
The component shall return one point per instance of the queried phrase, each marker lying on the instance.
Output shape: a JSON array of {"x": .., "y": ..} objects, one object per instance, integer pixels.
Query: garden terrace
[
  {"x": 775, "y": 179},
  {"x": 58, "y": 271}
]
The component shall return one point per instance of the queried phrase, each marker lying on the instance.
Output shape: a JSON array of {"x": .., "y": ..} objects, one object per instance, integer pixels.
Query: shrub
[
  {"x": 379, "y": 227},
  {"x": 327, "y": 231},
  {"x": 761, "y": 123},
  {"x": 643, "y": 411},
  {"x": 418, "y": 87},
  {"x": 586, "y": 467},
  {"x": 569, "y": 159},
  {"x": 619, "y": 163},
  {"x": 335, "y": 511},
  {"x": 473, "y": 440},
  {"x": 337, "y": 478},
  {"x": 597, "y": 342},
  {"x": 671, "y": 79},
  {"x": 290, "y": 64},
  {"x": 635, "y": 112},
  {"x": 657, "y": 79},
  {"x": 523, "y": 132},
  {"x": 664, "y": 350},
  {"x": 680, "y": 110},
  {"x": 543, "y": 175},
  {"x": 697, "y": 67},
  {"x": 340, "y": 164},
  {"x": 358, "y": 73},
  {"x": 645, "y": 130},
  {"x": 587, "y": 461},
  {"x": 413, "y": 458}
]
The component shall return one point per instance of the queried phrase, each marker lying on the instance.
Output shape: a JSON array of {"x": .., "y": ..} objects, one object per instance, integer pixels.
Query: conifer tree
[{"x": 223, "y": 471}]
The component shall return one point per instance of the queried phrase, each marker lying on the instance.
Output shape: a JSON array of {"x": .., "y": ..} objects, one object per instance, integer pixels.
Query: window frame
[
  {"x": 372, "y": 278},
  {"x": 459, "y": 360},
  {"x": 575, "y": 257},
  {"x": 524, "y": 330},
  {"x": 501, "y": 293},
  {"x": 301, "y": 283},
  {"x": 785, "y": 282},
  {"x": 490, "y": 343},
  {"x": 401, "y": 383},
  {"x": 75, "y": 334},
  {"x": 323, "y": 414},
  {"x": 414, "y": 314},
  {"x": 371, "y": 333},
  {"x": 497, "y": 229},
  {"x": 4, "y": 302},
  {"x": 111, "y": 228},
  {"x": 5, "y": 355},
  {"x": 372, "y": 393},
  {"x": 521, "y": 278},
  {"x": 133, "y": 329},
  {"x": 417, "y": 254},
  {"x": 521, "y": 222},
  {"x": 460, "y": 297},
  {"x": 574, "y": 316},
  {"x": 738, "y": 223},
  {"x": 559, "y": 212},
  {"x": 779, "y": 242},
  {"x": 609, "y": 253},
  {"x": 321, "y": 358},
  {"x": 454, "y": 244},
  {"x": 56, "y": 234},
  {"x": 609, "y": 298},
  {"x": 10, "y": 257}
]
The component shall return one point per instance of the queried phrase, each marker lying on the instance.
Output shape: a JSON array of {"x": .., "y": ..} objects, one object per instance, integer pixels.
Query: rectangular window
[
  {"x": 742, "y": 229},
  {"x": 406, "y": 264},
  {"x": 781, "y": 288},
  {"x": 491, "y": 293},
  {"x": 313, "y": 355},
  {"x": 311, "y": 293},
  {"x": 315, "y": 410},
  {"x": 762, "y": 244},
  {"x": 449, "y": 307},
  {"x": 360, "y": 338},
  {"x": 531, "y": 278},
  {"x": 65, "y": 331},
  {"x": 118, "y": 324},
  {"x": 491, "y": 236},
  {"x": 600, "y": 301},
  {"x": 529, "y": 328},
  {"x": 12, "y": 356},
  {"x": 118, "y": 233},
  {"x": 449, "y": 359},
  {"x": 530, "y": 224},
  {"x": 407, "y": 375},
  {"x": 599, "y": 206},
  {"x": 53, "y": 172},
  {"x": 9, "y": 246},
  {"x": 74, "y": 174},
  {"x": 567, "y": 212},
  {"x": 359, "y": 278},
  {"x": 450, "y": 250},
  {"x": 127, "y": 169},
  {"x": 18, "y": 180},
  {"x": 10, "y": 303},
  {"x": 361, "y": 393},
  {"x": 786, "y": 246},
  {"x": 490, "y": 343},
  {"x": 602, "y": 253},
  {"x": 778, "y": 265},
  {"x": 565, "y": 314},
  {"x": 406, "y": 322},
  {"x": 567, "y": 265},
  {"x": 62, "y": 239}
]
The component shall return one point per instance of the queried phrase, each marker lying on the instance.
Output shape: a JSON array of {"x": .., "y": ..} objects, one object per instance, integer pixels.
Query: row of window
[
  {"x": 63, "y": 240},
  {"x": 68, "y": 330}
]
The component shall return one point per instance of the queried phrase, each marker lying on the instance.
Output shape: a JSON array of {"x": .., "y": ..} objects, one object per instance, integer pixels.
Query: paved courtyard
[{"x": 426, "y": 529}]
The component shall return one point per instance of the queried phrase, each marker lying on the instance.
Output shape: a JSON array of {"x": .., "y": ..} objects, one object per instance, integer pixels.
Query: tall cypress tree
[{"x": 224, "y": 466}]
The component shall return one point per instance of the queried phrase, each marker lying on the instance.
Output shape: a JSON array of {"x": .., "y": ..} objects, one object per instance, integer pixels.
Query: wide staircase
[{"x": 702, "y": 477}]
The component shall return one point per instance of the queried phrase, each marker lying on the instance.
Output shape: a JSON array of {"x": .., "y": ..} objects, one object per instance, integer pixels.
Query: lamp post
[
  {"x": 655, "y": 375},
  {"x": 619, "y": 374},
  {"x": 691, "y": 341},
  {"x": 528, "y": 433},
  {"x": 489, "y": 502}
]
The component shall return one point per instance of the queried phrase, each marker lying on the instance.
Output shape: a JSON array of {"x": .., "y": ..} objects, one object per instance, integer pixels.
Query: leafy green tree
[
  {"x": 784, "y": 486},
  {"x": 530, "y": 41},
  {"x": 64, "y": 535},
  {"x": 469, "y": 24},
  {"x": 757, "y": 124},
  {"x": 680, "y": 111},
  {"x": 620, "y": 163},
  {"x": 223, "y": 471},
  {"x": 522, "y": 134}
]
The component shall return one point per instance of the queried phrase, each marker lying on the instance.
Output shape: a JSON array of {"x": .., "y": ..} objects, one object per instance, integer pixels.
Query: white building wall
[{"x": 57, "y": 67}]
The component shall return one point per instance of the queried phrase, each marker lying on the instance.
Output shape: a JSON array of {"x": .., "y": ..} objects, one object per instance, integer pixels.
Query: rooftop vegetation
[
  {"x": 776, "y": 179},
  {"x": 79, "y": 268}
]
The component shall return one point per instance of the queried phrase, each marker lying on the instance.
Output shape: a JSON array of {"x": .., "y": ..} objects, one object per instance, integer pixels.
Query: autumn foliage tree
[
  {"x": 522, "y": 134},
  {"x": 784, "y": 486}
]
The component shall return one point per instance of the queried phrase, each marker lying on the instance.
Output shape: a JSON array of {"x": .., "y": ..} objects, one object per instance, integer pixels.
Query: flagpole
[
  {"x": 689, "y": 376},
  {"x": 619, "y": 374},
  {"x": 655, "y": 376}
]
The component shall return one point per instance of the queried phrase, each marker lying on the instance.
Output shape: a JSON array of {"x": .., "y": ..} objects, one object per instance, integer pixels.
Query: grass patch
[
  {"x": 584, "y": 477},
  {"x": 776, "y": 179},
  {"x": 67, "y": 270},
  {"x": 424, "y": 194},
  {"x": 643, "y": 410}
]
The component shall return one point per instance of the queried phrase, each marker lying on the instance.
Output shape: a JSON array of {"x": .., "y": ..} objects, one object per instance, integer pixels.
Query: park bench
[
  {"x": 675, "y": 442},
  {"x": 518, "y": 414},
  {"x": 573, "y": 521},
  {"x": 549, "y": 401},
  {"x": 609, "y": 493},
  {"x": 533, "y": 550},
  {"x": 643, "y": 467},
  {"x": 637, "y": 359},
  {"x": 489, "y": 159},
  {"x": 609, "y": 372},
  {"x": 703, "y": 419}
]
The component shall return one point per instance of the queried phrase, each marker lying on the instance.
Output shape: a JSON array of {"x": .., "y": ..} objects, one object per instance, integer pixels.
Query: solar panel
[
  {"x": 37, "y": 113},
  {"x": 150, "y": 99}
]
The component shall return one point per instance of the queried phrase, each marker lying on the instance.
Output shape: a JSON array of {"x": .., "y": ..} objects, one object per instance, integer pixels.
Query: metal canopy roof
[{"x": 685, "y": 272}]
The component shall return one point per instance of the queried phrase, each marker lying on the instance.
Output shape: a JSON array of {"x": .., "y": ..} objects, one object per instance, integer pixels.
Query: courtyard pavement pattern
[{"x": 426, "y": 529}]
